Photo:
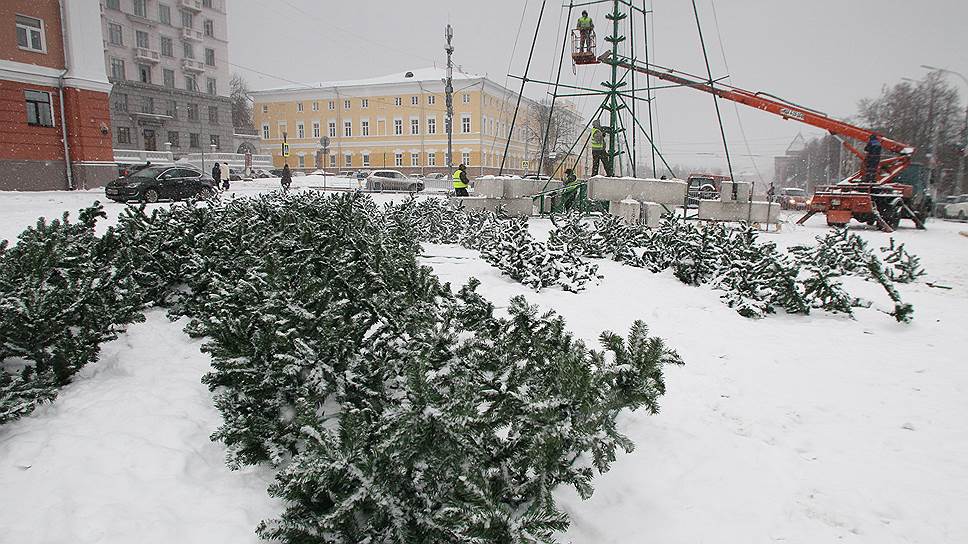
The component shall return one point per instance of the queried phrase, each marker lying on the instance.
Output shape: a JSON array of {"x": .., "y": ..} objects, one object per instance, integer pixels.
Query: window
[
  {"x": 347, "y": 105},
  {"x": 431, "y": 159},
  {"x": 398, "y": 101},
  {"x": 209, "y": 27},
  {"x": 302, "y": 161},
  {"x": 164, "y": 14},
  {"x": 141, "y": 38},
  {"x": 192, "y": 112},
  {"x": 30, "y": 34},
  {"x": 299, "y": 106},
  {"x": 316, "y": 129},
  {"x": 465, "y": 124},
  {"x": 187, "y": 19},
  {"x": 348, "y": 159},
  {"x": 207, "y": 3},
  {"x": 144, "y": 73},
  {"x": 113, "y": 4},
  {"x": 366, "y": 159},
  {"x": 117, "y": 69},
  {"x": 332, "y": 129},
  {"x": 300, "y": 130},
  {"x": 332, "y": 106},
  {"x": 431, "y": 100},
  {"x": 415, "y": 126},
  {"x": 365, "y": 103},
  {"x": 171, "y": 109},
  {"x": 398, "y": 159},
  {"x": 347, "y": 128},
  {"x": 414, "y": 100},
  {"x": 115, "y": 36},
  {"x": 193, "y": 140},
  {"x": 191, "y": 84},
  {"x": 188, "y": 51},
  {"x": 124, "y": 135},
  {"x": 213, "y": 139},
  {"x": 120, "y": 102},
  {"x": 465, "y": 158},
  {"x": 166, "y": 47},
  {"x": 398, "y": 126},
  {"x": 315, "y": 105},
  {"x": 265, "y": 132},
  {"x": 210, "y": 57},
  {"x": 147, "y": 104},
  {"x": 332, "y": 161},
  {"x": 39, "y": 112},
  {"x": 173, "y": 139},
  {"x": 211, "y": 85},
  {"x": 140, "y": 8},
  {"x": 213, "y": 115},
  {"x": 431, "y": 125},
  {"x": 466, "y": 98},
  {"x": 364, "y": 128},
  {"x": 415, "y": 159}
]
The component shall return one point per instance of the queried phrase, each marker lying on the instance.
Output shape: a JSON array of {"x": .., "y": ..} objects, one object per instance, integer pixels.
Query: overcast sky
[{"x": 826, "y": 54}]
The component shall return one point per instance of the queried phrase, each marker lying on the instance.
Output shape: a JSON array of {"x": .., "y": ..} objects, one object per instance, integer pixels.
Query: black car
[{"x": 161, "y": 183}]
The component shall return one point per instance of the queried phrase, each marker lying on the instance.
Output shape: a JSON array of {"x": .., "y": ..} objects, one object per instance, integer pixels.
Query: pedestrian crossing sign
[
  {"x": 525, "y": 165},
  {"x": 285, "y": 150}
]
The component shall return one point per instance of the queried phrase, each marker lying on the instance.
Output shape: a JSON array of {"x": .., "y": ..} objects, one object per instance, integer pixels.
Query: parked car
[
  {"x": 957, "y": 210},
  {"x": 392, "y": 180},
  {"x": 321, "y": 173},
  {"x": 260, "y": 173},
  {"x": 236, "y": 174},
  {"x": 792, "y": 198},
  {"x": 436, "y": 177},
  {"x": 704, "y": 187},
  {"x": 156, "y": 183}
]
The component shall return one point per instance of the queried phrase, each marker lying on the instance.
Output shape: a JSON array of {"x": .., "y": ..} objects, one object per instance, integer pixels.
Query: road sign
[
  {"x": 285, "y": 150},
  {"x": 525, "y": 165}
]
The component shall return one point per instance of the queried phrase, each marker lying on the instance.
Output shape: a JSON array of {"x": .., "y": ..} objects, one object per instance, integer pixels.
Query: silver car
[{"x": 392, "y": 180}]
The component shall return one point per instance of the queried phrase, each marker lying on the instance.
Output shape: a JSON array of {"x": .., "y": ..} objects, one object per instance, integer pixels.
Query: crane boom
[{"x": 760, "y": 101}]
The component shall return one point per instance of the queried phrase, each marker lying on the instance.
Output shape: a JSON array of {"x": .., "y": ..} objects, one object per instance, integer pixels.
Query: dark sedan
[{"x": 161, "y": 183}]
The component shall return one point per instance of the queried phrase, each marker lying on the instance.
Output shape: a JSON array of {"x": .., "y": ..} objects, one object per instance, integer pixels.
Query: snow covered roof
[{"x": 409, "y": 76}]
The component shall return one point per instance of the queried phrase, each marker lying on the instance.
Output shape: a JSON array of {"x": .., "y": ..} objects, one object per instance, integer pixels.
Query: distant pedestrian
[
  {"x": 599, "y": 154},
  {"x": 226, "y": 173},
  {"x": 286, "y": 179},
  {"x": 872, "y": 160},
  {"x": 217, "y": 175},
  {"x": 460, "y": 181},
  {"x": 585, "y": 28}
]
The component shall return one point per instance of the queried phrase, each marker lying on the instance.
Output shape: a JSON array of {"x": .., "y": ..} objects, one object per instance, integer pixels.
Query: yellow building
[{"x": 397, "y": 121}]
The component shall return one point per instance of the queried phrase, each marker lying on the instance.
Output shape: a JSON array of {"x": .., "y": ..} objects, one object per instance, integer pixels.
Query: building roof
[{"x": 421, "y": 74}]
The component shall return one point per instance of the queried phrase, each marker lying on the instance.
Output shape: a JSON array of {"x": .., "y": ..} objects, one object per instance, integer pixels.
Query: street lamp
[{"x": 962, "y": 188}]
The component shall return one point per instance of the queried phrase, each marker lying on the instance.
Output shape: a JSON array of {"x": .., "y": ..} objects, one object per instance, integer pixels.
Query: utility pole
[{"x": 449, "y": 94}]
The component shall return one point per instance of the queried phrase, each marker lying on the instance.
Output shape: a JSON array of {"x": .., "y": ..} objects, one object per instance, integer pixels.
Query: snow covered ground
[{"x": 787, "y": 429}]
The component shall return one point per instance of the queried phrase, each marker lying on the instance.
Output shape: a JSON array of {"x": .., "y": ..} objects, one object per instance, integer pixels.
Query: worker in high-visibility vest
[
  {"x": 460, "y": 181},
  {"x": 599, "y": 154},
  {"x": 585, "y": 27},
  {"x": 570, "y": 192}
]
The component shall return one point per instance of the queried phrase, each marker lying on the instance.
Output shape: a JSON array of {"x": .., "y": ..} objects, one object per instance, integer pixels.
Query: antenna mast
[{"x": 449, "y": 92}]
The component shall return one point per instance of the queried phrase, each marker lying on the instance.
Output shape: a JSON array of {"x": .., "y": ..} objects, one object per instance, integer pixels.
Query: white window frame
[
  {"x": 466, "y": 98},
  {"x": 348, "y": 129},
  {"x": 331, "y": 128},
  {"x": 364, "y": 103},
  {"x": 364, "y": 127},
  {"x": 332, "y": 161},
  {"x": 316, "y": 129},
  {"x": 431, "y": 158},
  {"x": 465, "y": 123},
  {"x": 265, "y": 131},
  {"x": 414, "y": 100},
  {"x": 300, "y": 130},
  {"x": 29, "y": 29},
  {"x": 332, "y": 105},
  {"x": 398, "y": 159},
  {"x": 431, "y": 100},
  {"x": 366, "y": 160},
  {"x": 397, "y": 101},
  {"x": 465, "y": 158},
  {"x": 315, "y": 105},
  {"x": 415, "y": 126},
  {"x": 431, "y": 125},
  {"x": 265, "y": 108},
  {"x": 414, "y": 159},
  {"x": 299, "y": 107},
  {"x": 398, "y": 126},
  {"x": 347, "y": 104},
  {"x": 348, "y": 160}
]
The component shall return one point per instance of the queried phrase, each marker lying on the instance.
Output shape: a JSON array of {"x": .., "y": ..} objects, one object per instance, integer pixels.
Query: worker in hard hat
[
  {"x": 460, "y": 181},
  {"x": 585, "y": 27},
  {"x": 872, "y": 160},
  {"x": 599, "y": 154}
]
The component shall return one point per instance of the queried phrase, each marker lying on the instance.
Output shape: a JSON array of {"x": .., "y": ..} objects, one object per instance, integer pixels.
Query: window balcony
[
  {"x": 192, "y": 34},
  {"x": 146, "y": 55},
  {"x": 192, "y": 65},
  {"x": 191, "y": 5}
]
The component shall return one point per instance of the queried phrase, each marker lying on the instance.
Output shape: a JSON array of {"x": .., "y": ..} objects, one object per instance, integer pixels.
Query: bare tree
[
  {"x": 552, "y": 140},
  {"x": 241, "y": 105}
]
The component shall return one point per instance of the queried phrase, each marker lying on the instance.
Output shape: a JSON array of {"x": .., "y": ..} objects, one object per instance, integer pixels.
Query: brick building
[{"x": 55, "y": 125}]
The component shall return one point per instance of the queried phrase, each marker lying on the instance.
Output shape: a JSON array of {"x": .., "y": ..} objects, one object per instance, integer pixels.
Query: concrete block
[
  {"x": 756, "y": 212},
  {"x": 651, "y": 213},
  {"x": 627, "y": 209},
  {"x": 671, "y": 192},
  {"x": 489, "y": 186},
  {"x": 742, "y": 191},
  {"x": 508, "y": 187},
  {"x": 512, "y": 206}
]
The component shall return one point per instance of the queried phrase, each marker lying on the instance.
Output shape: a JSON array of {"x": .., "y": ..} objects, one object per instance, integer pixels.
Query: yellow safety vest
[
  {"x": 585, "y": 23},
  {"x": 598, "y": 139},
  {"x": 458, "y": 182}
]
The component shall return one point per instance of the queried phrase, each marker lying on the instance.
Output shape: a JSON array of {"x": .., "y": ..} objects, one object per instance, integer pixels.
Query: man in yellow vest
[
  {"x": 599, "y": 154},
  {"x": 460, "y": 181},
  {"x": 585, "y": 26}
]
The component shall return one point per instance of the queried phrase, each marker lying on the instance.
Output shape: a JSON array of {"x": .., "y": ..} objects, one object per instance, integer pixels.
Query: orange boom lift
[{"x": 883, "y": 203}]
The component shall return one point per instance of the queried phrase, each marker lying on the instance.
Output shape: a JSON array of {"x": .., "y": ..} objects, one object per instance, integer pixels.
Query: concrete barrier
[
  {"x": 756, "y": 212},
  {"x": 507, "y": 187},
  {"x": 742, "y": 191},
  {"x": 512, "y": 206},
  {"x": 628, "y": 210},
  {"x": 651, "y": 214},
  {"x": 671, "y": 192}
]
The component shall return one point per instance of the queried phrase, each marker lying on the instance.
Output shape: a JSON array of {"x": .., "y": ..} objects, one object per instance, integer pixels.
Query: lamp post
[{"x": 962, "y": 188}]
